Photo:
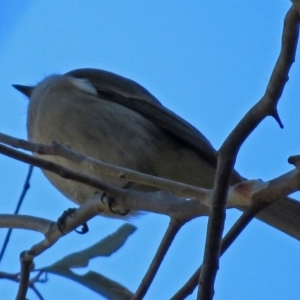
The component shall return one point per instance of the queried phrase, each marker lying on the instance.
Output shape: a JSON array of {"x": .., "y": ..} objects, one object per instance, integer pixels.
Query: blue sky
[{"x": 207, "y": 61}]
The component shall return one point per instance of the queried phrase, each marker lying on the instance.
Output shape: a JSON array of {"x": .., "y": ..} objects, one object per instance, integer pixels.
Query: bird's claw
[
  {"x": 111, "y": 204},
  {"x": 70, "y": 212}
]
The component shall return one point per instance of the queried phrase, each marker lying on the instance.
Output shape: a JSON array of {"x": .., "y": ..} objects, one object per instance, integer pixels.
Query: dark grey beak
[{"x": 24, "y": 89}]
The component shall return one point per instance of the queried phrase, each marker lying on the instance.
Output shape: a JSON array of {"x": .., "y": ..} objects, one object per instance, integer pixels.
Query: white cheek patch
[{"x": 84, "y": 85}]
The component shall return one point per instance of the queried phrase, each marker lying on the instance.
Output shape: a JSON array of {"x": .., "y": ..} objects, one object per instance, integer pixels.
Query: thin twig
[
  {"x": 10, "y": 276},
  {"x": 16, "y": 278},
  {"x": 39, "y": 295},
  {"x": 26, "y": 187},
  {"x": 33, "y": 281},
  {"x": 227, "y": 154},
  {"x": 37, "y": 277},
  {"x": 173, "y": 228}
]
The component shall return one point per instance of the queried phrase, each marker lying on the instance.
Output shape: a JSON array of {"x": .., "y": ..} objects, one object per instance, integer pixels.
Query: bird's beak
[{"x": 24, "y": 89}]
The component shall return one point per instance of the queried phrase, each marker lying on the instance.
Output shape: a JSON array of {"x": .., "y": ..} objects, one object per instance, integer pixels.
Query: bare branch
[
  {"x": 26, "y": 261},
  {"x": 227, "y": 241},
  {"x": 16, "y": 278},
  {"x": 38, "y": 294},
  {"x": 92, "y": 208},
  {"x": 26, "y": 186},
  {"x": 173, "y": 228},
  {"x": 159, "y": 202},
  {"x": 56, "y": 149},
  {"x": 227, "y": 154},
  {"x": 25, "y": 222},
  {"x": 11, "y": 276}
]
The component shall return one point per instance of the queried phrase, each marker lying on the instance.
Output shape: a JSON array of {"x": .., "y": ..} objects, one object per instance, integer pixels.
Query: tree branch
[
  {"x": 56, "y": 149},
  {"x": 26, "y": 261},
  {"x": 161, "y": 201},
  {"x": 227, "y": 154},
  {"x": 26, "y": 186},
  {"x": 25, "y": 222},
  {"x": 173, "y": 228},
  {"x": 227, "y": 241}
]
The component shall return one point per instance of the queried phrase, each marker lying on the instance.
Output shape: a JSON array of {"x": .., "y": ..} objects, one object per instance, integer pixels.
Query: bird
[{"x": 116, "y": 120}]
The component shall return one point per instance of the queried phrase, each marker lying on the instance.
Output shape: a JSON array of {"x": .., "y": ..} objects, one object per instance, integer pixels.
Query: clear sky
[{"x": 209, "y": 62}]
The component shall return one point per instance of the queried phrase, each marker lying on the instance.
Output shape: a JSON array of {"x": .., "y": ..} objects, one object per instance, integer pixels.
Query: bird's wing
[
  {"x": 132, "y": 95},
  {"x": 283, "y": 215}
]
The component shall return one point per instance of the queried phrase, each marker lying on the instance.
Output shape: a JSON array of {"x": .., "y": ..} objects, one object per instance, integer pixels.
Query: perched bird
[{"x": 116, "y": 120}]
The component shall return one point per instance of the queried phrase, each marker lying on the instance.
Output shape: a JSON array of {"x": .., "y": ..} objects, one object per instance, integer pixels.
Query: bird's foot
[
  {"x": 70, "y": 212},
  {"x": 111, "y": 202}
]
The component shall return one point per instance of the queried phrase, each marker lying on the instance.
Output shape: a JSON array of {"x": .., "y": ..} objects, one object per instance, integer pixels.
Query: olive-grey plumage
[{"x": 116, "y": 120}]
